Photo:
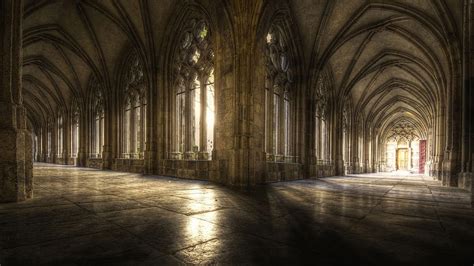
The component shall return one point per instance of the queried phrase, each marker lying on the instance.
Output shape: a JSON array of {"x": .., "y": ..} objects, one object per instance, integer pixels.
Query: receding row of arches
[
  {"x": 82, "y": 134},
  {"x": 245, "y": 92}
]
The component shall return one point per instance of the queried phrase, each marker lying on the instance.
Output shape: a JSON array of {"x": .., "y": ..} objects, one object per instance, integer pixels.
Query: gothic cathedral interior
[{"x": 236, "y": 132}]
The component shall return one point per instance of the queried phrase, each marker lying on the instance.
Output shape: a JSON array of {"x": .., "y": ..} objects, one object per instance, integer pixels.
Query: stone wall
[
  {"x": 279, "y": 171},
  {"x": 129, "y": 165},
  {"x": 466, "y": 181},
  {"x": 191, "y": 169},
  {"x": 94, "y": 163}
]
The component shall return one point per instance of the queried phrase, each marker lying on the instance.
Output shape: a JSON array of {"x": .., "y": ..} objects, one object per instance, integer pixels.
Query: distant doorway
[{"x": 402, "y": 159}]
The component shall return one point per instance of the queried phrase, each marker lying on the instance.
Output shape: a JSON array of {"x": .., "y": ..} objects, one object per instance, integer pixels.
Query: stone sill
[
  {"x": 186, "y": 160},
  {"x": 278, "y": 162}
]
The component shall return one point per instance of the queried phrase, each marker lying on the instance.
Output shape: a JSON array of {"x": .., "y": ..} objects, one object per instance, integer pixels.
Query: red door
[{"x": 422, "y": 156}]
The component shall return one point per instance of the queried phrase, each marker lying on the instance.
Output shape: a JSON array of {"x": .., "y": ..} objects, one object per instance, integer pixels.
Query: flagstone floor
[{"x": 90, "y": 217}]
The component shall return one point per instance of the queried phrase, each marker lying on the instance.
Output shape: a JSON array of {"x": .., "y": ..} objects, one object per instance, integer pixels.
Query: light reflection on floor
[{"x": 86, "y": 216}]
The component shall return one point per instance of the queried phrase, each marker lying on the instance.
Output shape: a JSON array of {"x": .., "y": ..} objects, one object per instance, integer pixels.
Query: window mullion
[{"x": 203, "y": 117}]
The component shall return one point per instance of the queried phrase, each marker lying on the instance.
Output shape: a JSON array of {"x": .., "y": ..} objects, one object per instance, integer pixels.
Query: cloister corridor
[
  {"x": 86, "y": 216},
  {"x": 237, "y": 132}
]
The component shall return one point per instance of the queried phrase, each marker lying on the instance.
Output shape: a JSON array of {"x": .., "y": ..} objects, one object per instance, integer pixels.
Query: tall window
[
  {"x": 134, "y": 112},
  {"x": 360, "y": 139},
  {"x": 279, "y": 104},
  {"x": 194, "y": 93},
  {"x": 60, "y": 131},
  {"x": 345, "y": 134},
  {"x": 134, "y": 126},
  {"x": 321, "y": 130},
  {"x": 98, "y": 127},
  {"x": 75, "y": 131},
  {"x": 49, "y": 139}
]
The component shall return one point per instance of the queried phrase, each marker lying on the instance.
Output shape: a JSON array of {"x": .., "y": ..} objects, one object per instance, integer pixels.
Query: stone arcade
[{"x": 140, "y": 105}]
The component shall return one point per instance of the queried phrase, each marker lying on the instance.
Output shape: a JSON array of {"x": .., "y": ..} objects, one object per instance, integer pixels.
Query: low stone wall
[
  {"x": 466, "y": 181},
  {"x": 321, "y": 170},
  {"x": 129, "y": 165},
  {"x": 191, "y": 169},
  {"x": 94, "y": 163},
  {"x": 280, "y": 171}
]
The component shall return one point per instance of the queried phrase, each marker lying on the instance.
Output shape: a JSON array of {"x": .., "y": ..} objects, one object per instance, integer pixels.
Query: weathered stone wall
[
  {"x": 129, "y": 165},
  {"x": 94, "y": 163},
  {"x": 276, "y": 172},
  {"x": 191, "y": 169}
]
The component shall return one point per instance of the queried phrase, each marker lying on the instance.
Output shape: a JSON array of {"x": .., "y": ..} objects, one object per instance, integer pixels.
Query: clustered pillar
[{"x": 16, "y": 144}]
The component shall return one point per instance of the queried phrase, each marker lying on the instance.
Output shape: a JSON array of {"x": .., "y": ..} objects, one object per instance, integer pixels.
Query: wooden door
[{"x": 402, "y": 159}]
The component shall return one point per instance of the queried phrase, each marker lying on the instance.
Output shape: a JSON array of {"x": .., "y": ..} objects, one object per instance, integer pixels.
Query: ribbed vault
[
  {"x": 392, "y": 59},
  {"x": 361, "y": 70},
  {"x": 66, "y": 42}
]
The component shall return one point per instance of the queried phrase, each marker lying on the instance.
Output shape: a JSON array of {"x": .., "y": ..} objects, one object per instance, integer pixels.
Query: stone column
[
  {"x": 67, "y": 137},
  {"x": 13, "y": 185},
  {"x": 240, "y": 147},
  {"x": 310, "y": 136},
  {"x": 336, "y": 130},
  {"x": 106, "y": 141},
  {"x": 83, "y": 132},
  {"x": 44, "y": 143},
  {"x": 188, "y": 145},
  {"x": 466, "y": 175},
  {"x": 203, "y": 122},
  {"x": 28, "y": 164},
  {"x": 269, "y": 149}
]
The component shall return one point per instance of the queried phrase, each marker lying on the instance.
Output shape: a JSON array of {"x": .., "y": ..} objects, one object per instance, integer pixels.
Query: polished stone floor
[{"x": 85, "y": 216}]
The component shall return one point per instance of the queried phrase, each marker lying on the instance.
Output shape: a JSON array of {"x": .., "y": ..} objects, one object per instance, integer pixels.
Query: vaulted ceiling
[
  {"x": 393, "y": 60},
  {"x": 66, "y": 41}
]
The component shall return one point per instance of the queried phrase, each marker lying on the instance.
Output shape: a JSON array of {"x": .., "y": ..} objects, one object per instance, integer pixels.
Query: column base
[{"x": 466, "y": 181}]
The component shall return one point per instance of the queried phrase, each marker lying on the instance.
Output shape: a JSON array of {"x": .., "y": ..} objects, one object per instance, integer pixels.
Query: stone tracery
[
  {"x": 404, "y": 129},
  {"x": 193, "y": 76},
  {"x": 134, "y": 111},
  {"x": 279, "y": 94}
]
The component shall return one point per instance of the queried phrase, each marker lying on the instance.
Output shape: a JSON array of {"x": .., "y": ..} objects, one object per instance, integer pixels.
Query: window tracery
[
  {"x": 321, "y": 130},
  {"x": 402, "y": 136},
  {"x": 98, "y": 114},
  {"x": 134, "y": 110},
  {"x": 404, "y": 129},
  {"x": 194, "y": 97},
  {"x": 279, "y": 94}
]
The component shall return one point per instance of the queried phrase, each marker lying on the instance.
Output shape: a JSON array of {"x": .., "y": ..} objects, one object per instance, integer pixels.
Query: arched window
[
  {"x": 279, "y": 98},
  {"x": 194, "y": 93},
  {"x": 321, "y": 130},
  {"x": 60, "y": 137},
  {"x": 75, "y": 131},
  {"x": 98, "y": 125},
  {"x": 134, "y": 111}
]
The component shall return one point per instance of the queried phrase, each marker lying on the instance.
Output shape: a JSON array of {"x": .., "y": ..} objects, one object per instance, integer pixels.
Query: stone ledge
[{"x": 466, "y": 181}]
